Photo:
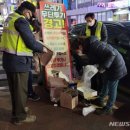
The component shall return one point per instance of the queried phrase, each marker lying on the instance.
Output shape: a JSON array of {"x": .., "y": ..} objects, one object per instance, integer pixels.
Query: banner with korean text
[{"x": 55, "y": 36}]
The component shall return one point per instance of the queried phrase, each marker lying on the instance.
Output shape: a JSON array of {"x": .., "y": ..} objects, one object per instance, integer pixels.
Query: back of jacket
[
  {"x": 14, "y": 63},
  {"x": 108, "y": 58}
]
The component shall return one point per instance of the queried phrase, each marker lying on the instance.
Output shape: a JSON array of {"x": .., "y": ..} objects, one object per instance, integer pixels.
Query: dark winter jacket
[
  {"x": 14, "y": 63},
  {"x": 104, "y": 35},
  {"x": 107, "y": 57}
]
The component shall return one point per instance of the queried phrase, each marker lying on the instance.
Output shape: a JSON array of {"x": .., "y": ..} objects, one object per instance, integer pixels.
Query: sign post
[{"x": 55, "y": 36}]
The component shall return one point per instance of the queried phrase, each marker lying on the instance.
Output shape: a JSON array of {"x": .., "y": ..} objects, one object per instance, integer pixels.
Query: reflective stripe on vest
[
  {"x": 34, "y": 2},
  {"x": 97, "y": 32},
  {"x": 11, "y": 41}
]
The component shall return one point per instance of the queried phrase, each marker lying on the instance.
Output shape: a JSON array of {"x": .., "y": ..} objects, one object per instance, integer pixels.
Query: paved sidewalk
[{"x": 57, "y": 118}]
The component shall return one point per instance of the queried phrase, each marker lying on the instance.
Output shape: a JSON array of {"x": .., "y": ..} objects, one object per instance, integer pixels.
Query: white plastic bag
[
  {"x": 87, "y": 110},
  {"x": 88, "y": 72}
]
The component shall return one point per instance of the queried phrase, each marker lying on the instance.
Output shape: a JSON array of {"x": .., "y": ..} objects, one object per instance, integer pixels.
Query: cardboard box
[
  {"x": 45, "y": 57},
  {"x": 54, "y": 82},
  {"x": 55, "y": 94},
  {"x": 87, "y": 93},
  {"x": 69, "y": 98},
  {"x": 56, "y": 86}
]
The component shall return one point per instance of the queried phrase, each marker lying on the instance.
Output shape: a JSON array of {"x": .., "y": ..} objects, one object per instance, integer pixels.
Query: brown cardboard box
[
  {"x": 55, "y": 94},
  {"x": 56, "y": 86},
  {"x": 45, "y": 57},
  {"x": 37, "y": 36},
  {"x": 69, "y": 99},
  {"x": 56, "y": 82}
]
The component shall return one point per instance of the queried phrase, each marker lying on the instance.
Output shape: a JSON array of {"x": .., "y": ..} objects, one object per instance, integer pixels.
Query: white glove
[{"x": 45, "y": 50}]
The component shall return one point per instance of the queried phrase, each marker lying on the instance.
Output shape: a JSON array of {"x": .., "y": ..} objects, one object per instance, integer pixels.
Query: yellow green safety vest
[
  {"x": 97, "y": 32},
  {"x": 11, "y": 41}
]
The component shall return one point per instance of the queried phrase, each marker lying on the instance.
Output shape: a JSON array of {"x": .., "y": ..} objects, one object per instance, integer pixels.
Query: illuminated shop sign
[
  {"x": 1, "y": 1},
  {"x": 115, "y": 4},
  {"x": 118, "y": 4}
]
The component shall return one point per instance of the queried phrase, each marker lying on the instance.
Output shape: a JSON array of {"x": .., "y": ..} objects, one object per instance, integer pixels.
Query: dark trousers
[
  {"x": 97, "y": 82},
  {"x": 109, "y": 88},
  {"x": 30, "y": 80},
  {"x": 18, "y": 83}
]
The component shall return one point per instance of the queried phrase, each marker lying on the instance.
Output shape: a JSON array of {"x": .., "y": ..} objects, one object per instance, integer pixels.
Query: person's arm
[
  {"x": 104, "y": 35},
  {"x": 22, "y": 26},
  {"x": 82, "y": 34}
]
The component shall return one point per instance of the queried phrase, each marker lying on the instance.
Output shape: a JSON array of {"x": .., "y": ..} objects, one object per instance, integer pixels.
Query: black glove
[
  {"x": 36, "y": 24},
  {"x": 102, "y": 70}
]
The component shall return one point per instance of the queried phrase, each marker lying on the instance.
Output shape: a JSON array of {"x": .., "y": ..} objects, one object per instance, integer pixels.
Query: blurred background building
[{"x": 105, "y": 10}]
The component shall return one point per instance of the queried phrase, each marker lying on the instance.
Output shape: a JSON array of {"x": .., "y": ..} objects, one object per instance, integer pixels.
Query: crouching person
[{"x": 112, "y": 64}]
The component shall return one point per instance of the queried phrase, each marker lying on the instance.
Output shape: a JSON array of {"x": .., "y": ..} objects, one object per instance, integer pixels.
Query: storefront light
[
  {"x": 4, "y": 10},
  {"x": 1, "y": 1},
  {"x": 13, "y": 1},
  {"x": 117, "y": 4},
  {"x": 110, "y": 19},
  {"x": 119, "y": 12}
]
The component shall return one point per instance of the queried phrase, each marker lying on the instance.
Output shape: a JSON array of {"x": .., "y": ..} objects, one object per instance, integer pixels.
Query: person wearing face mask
[
  {"x": 18, "y": 45},
  {"x": 95, "y": 28}
]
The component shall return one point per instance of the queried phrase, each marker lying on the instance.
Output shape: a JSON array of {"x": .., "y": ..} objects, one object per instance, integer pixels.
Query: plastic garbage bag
[
  {"x": 88, "y": 72},
  {"x": 87, "y": 110}
]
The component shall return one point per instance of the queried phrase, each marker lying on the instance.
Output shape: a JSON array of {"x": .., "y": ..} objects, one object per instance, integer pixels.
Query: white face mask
[
  {"x": 27, "y": 14},
  {"x": 91, "y": 23}
]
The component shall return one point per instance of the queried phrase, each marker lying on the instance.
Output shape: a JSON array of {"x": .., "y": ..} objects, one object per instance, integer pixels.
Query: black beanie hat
[{"x": 27, "y": 5}]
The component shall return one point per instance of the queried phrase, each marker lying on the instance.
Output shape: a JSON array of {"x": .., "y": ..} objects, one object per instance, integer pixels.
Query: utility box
[{"x": 69, "y": 98}]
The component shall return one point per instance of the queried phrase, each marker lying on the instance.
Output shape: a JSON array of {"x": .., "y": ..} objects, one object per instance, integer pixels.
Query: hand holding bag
[{"x": 45, "y": 57}]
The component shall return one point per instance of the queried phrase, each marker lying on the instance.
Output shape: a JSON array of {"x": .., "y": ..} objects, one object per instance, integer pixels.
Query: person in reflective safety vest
[{"x": 17, "y": 45}]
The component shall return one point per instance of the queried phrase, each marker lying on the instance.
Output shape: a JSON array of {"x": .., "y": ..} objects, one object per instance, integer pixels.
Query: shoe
[
  {"x": 28, "y": 119},
  {"x": 98, "y": 102},
  {"x": 104, "y": 111},
  {"x": 33, "y": 97},
  {"x": 16, "y": 122},
  {"x": 115, "y": 107},
  {"x": 27, "y": 109}
]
